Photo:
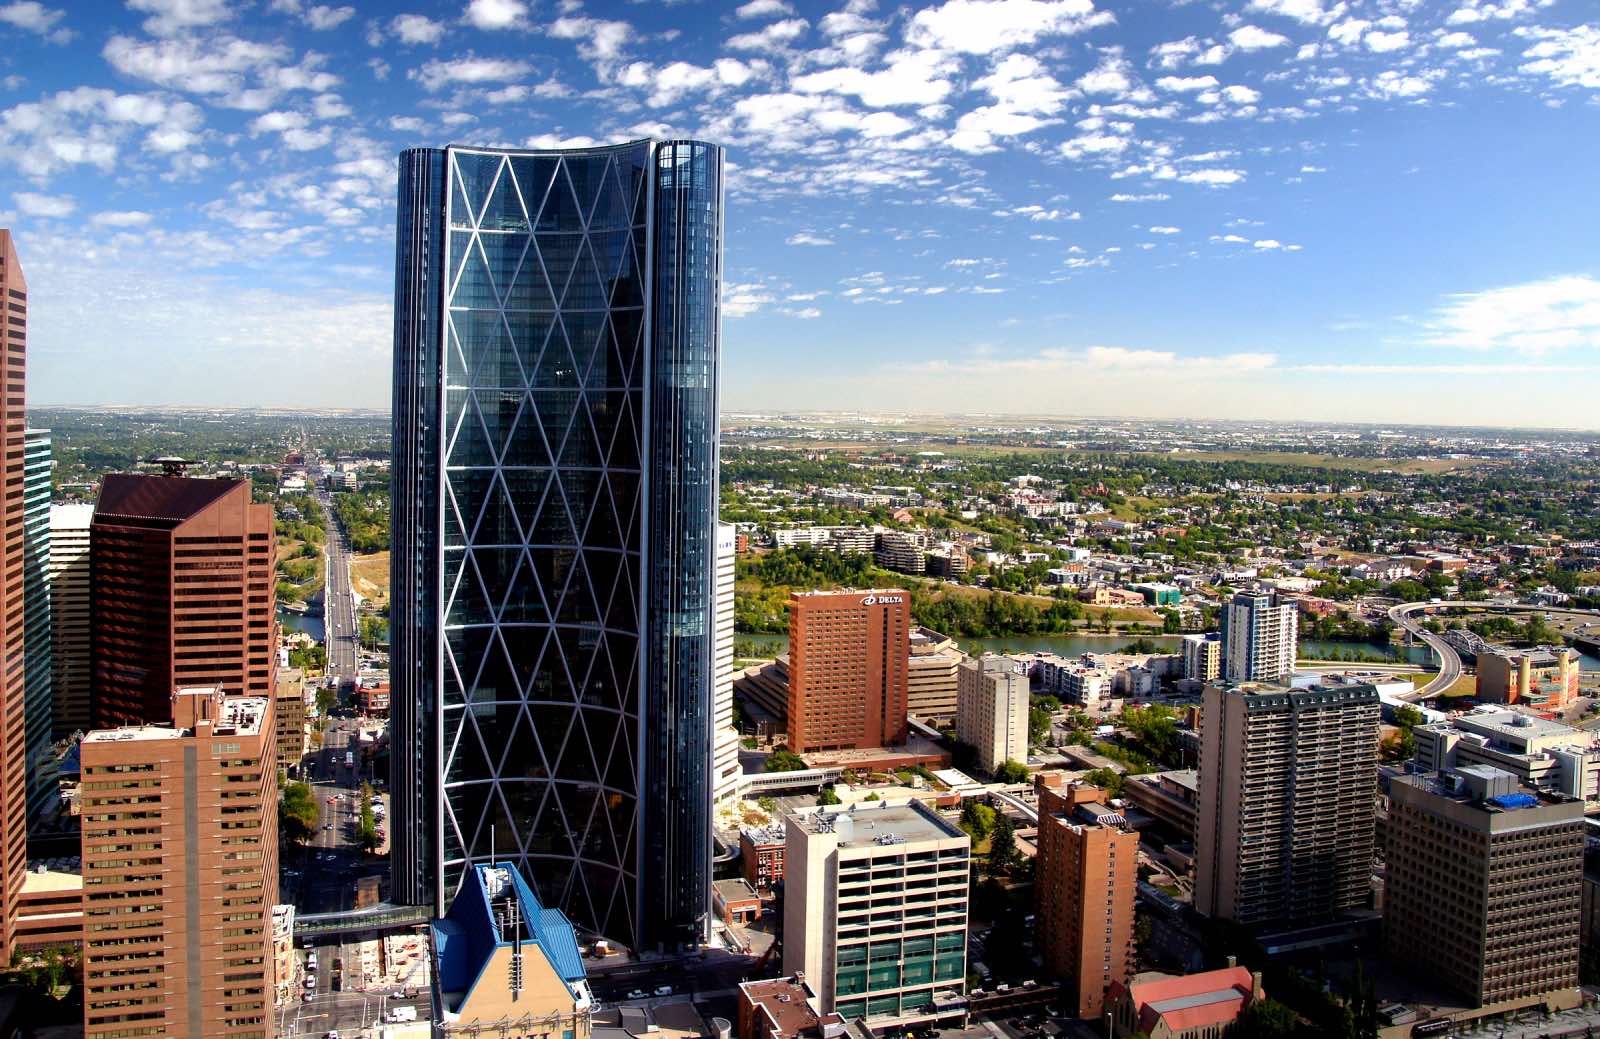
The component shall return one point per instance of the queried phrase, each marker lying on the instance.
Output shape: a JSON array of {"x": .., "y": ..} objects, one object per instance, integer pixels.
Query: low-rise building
[
  {"x": 761, "y": 855},
  {"x": 506, "y": 967},
  {"x": 783, "y": 1008},
  {"x": 1190, "y": 1006},
  {"x": 284, "y": 961},
  {"x": 891, "y": 876},
  {"x": 290, "y": 707},
  {"x": 1173, "y": 798},
  {"x": 735, "y": 901},
  {"x": 1202, "y": 657},
  {"x": 1545, "y": 678},
  {"x": 50, "y": 905},
  {"x": 931, "y": 676},
  {"x": 1541, "y": 753}
]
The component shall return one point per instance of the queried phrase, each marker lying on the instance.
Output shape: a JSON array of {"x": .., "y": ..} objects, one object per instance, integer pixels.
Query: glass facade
[
  {"x": 38, "y": 683},
  {"x": 555, "y": 482}
]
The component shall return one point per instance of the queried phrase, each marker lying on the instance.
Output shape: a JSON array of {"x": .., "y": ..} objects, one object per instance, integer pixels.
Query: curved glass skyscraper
[{"x": 555, "y": 478}]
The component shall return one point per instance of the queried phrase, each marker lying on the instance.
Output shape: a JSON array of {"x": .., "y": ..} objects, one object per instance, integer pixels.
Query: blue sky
[{"x": 1375, "y": 210}]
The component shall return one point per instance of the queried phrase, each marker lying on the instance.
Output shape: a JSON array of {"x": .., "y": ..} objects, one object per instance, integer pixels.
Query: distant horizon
[{"x": 823, "y": 413}]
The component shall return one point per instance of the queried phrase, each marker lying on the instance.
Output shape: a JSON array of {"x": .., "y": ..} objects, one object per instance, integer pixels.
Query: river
[
  {"x": 310, "y": 623},
  {"x": 1076, "y": 645}
]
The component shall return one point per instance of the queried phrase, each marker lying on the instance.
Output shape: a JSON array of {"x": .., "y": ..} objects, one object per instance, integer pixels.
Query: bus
[{"x": 349, "y": 760}]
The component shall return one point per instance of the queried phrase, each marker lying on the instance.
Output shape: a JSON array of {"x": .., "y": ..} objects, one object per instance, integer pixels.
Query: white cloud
[
  {"x": 1187, "y": 83},
  {"x": 1211, "y": 178},
  {"x": 744, "y": 299},
  {"x": 603, "y": 40},
  {"x": 773, "y": 37},
  {"x": 1164, "y": 229},
  {"x": 1309, "y": 11},
  {"x": 35, "y": 17},
  {"x": 128, "y": 218},
  {"x": 1154, "y": 197},
  {"x": 88, "y": 126},
  {"x": 1559, "y": 313},
  {"x": 1384, "y": 42},
  {"x": 168, "y": 17},
  {"x": 1456, "y": 40},
  {"x": 1570, "y": 57},
  {"x": 31, "y": 204},
  {"x": 416, "y": 28},
  {"x": 1113, "y": 75},
  {"x": 909, "y": 78},
  {"x": 1241, "y": 95},
  {"x": 764, "y": 9},
  {"x": 497, "y": 14},
  {"x": 1392, "y": 84},
  {"x": 1120, "y": 357},
  {"x": 248, "y": 75},
  {"x": 323, "y": 17},
  {"x": 807, "y": 238},
  {"x": 1253, "y": 38},
  {"x": 1267, "y": 243},
  {"x": 986, "y": 26},
  {"x": 435, "y": 75}
]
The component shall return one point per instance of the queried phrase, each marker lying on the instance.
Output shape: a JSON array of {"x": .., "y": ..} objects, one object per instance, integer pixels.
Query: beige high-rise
[
  {"x": 180, "y": 872},
  {"x": 724, "y": 737},
  {"x": 1287, "y": 788},
  {"x": 1484, "y": 883},
  {"x": 69, "y": 616},
  {"x": 992, "y": 711}
]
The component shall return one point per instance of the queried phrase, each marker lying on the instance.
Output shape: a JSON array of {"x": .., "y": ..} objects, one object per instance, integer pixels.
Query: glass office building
[{"x": 555, "y": 479}]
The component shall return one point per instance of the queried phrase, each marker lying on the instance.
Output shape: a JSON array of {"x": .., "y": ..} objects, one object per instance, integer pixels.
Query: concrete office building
[
  {"x": 1544, "y": 679},
  {"x": 182, "y": 594},
  {"x": 992, "y": 712},
  {"x": 69, "y": 617},
  {"x": 1540, "y": 753},
  {"x": 1287, "y": 787},
  {"x": 1202, "y": 657},
  {"x": 180, "y": 872},
  {"x": 847, "y": 669},
  {"x": 1170, "y": 797},
  {"x": 13, "y": 584},
  {"x": 506, "y": 967},
  {"x": 931, "y": 676},
  {"x": 725, "y": 742},
  {"x": 557, "y": 331},
  {"x": 1085, "y": 882},
  {"x": 1483, "y": 885},
  {"x": 1259, "y": 638},
  {"x": 290, "y": 710},
  {"x": 43, "y": 794},
  {"x": 875, "y": 911}
]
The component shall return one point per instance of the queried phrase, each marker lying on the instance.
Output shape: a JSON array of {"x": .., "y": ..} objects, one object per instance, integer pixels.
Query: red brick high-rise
[
  {"x": 13, "y": 751},
  {"x": 847, "y": 669},
  {"x": 181, "y": 594}
]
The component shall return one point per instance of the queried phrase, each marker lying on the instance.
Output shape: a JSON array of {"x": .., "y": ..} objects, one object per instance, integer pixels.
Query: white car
[{"x": 664, "y": 990}]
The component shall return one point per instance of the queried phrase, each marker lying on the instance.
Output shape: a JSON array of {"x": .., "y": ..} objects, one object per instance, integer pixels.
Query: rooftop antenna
[{"x": 172, "y": 465}]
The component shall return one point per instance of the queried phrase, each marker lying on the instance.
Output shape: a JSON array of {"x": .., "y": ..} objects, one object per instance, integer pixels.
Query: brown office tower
[
  {"x": 1085, "y": 881},
  {"x": 180, "y": 872},
  {"x": 182, "y": 594},
  {"x": 13, "y": 748},
  {"x": 1287, "y": 799},
  {"x": 1484, "y": 884},
  {"x": 847, "y": 669}
]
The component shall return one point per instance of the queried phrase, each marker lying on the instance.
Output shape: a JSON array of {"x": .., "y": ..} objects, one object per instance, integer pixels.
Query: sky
[{"x": 1367, "y": 210}]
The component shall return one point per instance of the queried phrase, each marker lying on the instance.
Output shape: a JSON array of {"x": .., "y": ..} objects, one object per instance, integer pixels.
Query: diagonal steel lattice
[{"x": 541, "y": 540}]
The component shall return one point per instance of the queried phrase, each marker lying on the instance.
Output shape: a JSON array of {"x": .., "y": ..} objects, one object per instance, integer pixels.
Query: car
[
  {"x": 664, "y": 990},
  {"x": 332, "y": 1035},
  {"x": 311, "y": 961},
  {"x": 637, "y": 994}
]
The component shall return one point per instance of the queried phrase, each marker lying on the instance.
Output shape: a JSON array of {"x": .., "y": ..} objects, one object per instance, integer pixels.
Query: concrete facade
[{"x": 992, "y": 711}]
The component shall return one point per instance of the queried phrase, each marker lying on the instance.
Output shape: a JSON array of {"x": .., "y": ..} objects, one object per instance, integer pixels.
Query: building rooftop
[
  {"x": 1509, "y": 726},
  {"x": 786, "y": 1002},
  {"x": 242, "y": 714},
  {"x": 878, "y": 823},
  {"x": 1190, "y": 1001},
  {"x": 772, "y": 833},
  {"x": 735, "y": 889},
  {"x": 127, "y": 733},
  {"x": 136, "y": 496}
]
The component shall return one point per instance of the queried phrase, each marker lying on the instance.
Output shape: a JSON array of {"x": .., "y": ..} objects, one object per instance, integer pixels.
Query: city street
[{"x": 338, "y": 604}]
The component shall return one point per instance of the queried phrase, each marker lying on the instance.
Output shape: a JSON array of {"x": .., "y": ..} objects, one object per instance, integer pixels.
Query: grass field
[
  {"x": 1311, "y": 461},
  {"x": 369, "y": 577}
]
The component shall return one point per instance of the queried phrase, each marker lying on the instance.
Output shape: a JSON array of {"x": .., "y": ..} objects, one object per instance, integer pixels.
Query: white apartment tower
[
  {"x": 1259, "y": 638},
  {"x": 724, "y": 737},
  {"x": 992, "y": 711},
  {"x": 69, "y": 616}
]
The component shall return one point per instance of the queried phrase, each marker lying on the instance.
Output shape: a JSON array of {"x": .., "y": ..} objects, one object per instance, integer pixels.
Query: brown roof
[
  {"x": 784, "y": 1000},
  {"x": 172, "y": 498}
]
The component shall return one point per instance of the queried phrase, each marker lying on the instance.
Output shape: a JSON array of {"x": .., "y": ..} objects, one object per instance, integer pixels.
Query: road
[
  {"x": 338, "y": 604},
  {"x": 1450, "y": 669}
]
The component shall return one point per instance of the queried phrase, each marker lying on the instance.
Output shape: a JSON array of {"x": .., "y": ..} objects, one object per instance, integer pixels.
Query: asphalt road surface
[
  {"x": 338, "y": 604},
  {"x": 1449, "y": 659}
]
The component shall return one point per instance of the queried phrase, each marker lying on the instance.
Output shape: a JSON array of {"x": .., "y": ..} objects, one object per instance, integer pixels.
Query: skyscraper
[
  {"x": 847, "y": 668},
  {"x": 181, "y": 594},
  {"x": 13, "y": 551},
  {"x": 725, "y": 737},
  {"x": 69, "y": 617},
  {"x": 557, "y": 326},
  {"x": 992, "y": 711},
  {"x": 1288, "y": 783},
  {"x": 37, "y": 638},
  {"x": 180, "y": 871},
  {"x": 1260, "y": 638}
]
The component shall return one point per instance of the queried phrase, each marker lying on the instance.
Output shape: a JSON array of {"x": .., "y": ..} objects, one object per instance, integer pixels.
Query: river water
[{"x": 1076, "y": 645}]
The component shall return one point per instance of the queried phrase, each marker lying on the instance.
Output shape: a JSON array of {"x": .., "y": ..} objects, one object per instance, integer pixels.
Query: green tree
[
  {"x": 1406, "y": 720},
  {"x": 367, "y": 822},
  {"x": 767, "y": 804},
  {"x": 1038, "y": 725},
  {"x": 1003, "y": 846},
  {"x": 1109, "y": 780},
  {"x": 977, "y": 819},
  {"x": 783, "y": 760},
  {"x": 1011, "y": 772},
  {"x": 827, "y": 796},
  {"x": 298, "y": 812},
  {"x": 1267, "y": 1019}
]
